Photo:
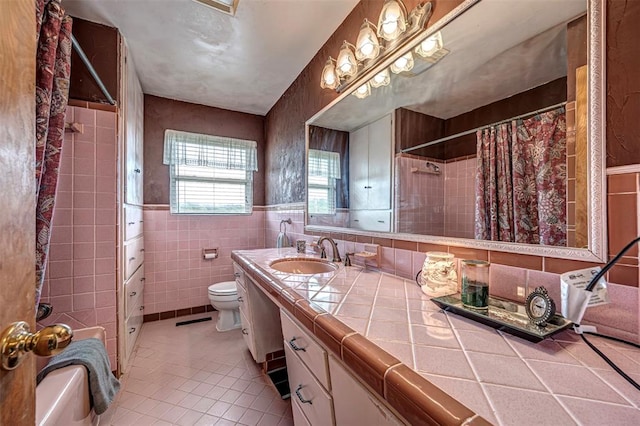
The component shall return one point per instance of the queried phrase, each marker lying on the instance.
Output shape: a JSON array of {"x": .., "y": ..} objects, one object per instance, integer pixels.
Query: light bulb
[
  {"x": 381, "y": 79},
  {"x": 367, "y": 45},
  {"x": 402, "y": 64},
  {"x": 329, "y": 79},
  {"x": 362, "y": 91},
  {"x": 393, "y": 20},
  {"x": 347, "y": 65},
  {"x": 430, "y": 46}
]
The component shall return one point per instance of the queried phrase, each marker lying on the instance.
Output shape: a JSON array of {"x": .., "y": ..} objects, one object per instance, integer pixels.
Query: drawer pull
[
  {"x": 141, "y": 308},
  {"x": 133, "y": 293},
  {"x": 132, "y": 259},
  {"x": 132, "y": 330},
  {"x": 299, "y": 395},
  {"x": 245, "y": 332},
  {"x": 367, "y": 187},
  {"x": 142, "y": 250},
  {"x": 294, "y": 346},
  {"x": 142, "y": 221},
  {"x": 131, "y": 223},
  {"x": 237, "y": 274},
  {"x": 381, "y": 221},
  {"x": 142, "y": 279},
  {"x": 240, "y": 299},
  {"x": 136, "y": 170}
]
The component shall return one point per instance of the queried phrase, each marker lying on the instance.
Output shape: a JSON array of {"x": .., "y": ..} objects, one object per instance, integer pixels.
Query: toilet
[{"x": 224, "y": 298}]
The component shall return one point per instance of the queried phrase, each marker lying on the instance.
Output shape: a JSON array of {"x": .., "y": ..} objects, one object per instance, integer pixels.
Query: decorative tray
[{"x": 506, "y": 316}]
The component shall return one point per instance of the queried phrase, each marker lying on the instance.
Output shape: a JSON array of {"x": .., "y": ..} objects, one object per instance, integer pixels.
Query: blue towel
[{"x": 91, "y": 353}]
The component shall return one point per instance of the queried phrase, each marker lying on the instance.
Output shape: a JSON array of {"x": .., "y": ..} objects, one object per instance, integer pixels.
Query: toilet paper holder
[{"x": 210, "y": 253}]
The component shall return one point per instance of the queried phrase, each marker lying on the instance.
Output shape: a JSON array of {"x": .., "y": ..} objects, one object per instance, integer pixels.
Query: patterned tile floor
[{"x": 194, "y": 375}]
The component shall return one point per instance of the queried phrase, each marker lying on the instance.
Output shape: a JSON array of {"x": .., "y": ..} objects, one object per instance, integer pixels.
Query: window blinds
[
  {"x": 210, "y": 174},
  {"x": 324, "y": 169}
]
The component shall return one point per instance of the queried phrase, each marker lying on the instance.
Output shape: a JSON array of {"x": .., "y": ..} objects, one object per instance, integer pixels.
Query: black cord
[
  {"x": 607, "y": 360},
  {"x": 615, "y": 339},
  {"x": 417, "y": 275},
  {"x": 610, "y": 264}
]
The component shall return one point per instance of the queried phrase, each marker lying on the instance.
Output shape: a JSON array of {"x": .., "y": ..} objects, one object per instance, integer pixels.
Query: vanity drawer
[
  {"x": 298, "y": 416},
  {"x": 243, "y": 301},
  {"x": 239, "y": 274},
  {"x": 370, "y": 220},
  {"x": 309, "y": 352},
  {"x": 247, "y": 334},
  {"x": 307, "y": 393},
  {"x": 133, "y": 221},
  {"x": 132, "y": 327},
  {"x": 134, "y": 256},
  {"x": 133, "y": 290}
]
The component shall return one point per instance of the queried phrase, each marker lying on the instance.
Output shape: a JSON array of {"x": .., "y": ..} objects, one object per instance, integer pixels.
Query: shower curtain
[
  {"x": 521, "y": 181},
  {"x": 53, "y": 68}
]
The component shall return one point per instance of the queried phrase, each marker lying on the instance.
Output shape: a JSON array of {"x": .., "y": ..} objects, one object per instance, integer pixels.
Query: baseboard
[{"x": 177, "y": 313}]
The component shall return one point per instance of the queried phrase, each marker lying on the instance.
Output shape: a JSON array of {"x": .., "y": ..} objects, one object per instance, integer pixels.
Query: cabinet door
[
  {"x": 380, "y": 153},
  {"x": 358, "y": 168},
  {"x": 348, "y": 393},
  {"x": 134, "y": 133}
]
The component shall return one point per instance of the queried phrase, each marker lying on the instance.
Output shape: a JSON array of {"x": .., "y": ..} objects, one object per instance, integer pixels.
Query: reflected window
[
  {"x": 209, "y": 174},
  {"x": 324, "y": 169}
]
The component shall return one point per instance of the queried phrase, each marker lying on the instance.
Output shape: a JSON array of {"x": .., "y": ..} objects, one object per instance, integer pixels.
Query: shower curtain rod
[
  {"x": 92, "y": 70},
  {"x": 468, "y": 132}
]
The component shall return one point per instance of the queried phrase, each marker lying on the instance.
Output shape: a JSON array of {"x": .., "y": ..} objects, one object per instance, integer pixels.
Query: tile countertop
[{"x": 504, "y": 379}]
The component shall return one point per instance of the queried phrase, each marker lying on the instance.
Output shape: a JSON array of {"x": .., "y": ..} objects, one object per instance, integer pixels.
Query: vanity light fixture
[
  {"x": 393, "y": 20},
  {"x": 403, "y": 64},
  {"x": 330, "y": 79},
  {"x": 362, "y": 91},
  {"x": 367, "y": 44},
  {"x": 383, "y": 78},
  {"x": 346, "y": 64},
  {"x": 395, "y": 29}
]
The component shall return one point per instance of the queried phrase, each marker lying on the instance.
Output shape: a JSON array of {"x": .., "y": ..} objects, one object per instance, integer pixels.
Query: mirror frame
[{"x": 596, "y": 131}]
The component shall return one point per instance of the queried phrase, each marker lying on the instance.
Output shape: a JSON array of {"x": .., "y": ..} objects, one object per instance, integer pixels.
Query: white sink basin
[{"x": 303, "y": 266}]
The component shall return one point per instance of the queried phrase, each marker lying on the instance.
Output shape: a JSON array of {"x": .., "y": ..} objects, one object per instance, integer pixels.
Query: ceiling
[{"x": 186, "y": 51}]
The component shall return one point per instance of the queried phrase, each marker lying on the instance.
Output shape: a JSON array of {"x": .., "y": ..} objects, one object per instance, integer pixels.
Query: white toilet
[{"x": 224, "y": 298}]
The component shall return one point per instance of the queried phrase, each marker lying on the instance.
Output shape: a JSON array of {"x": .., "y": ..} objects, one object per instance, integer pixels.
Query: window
[
  {"x": 324, "y": 169},
  {"x": 209, "y": 174}
]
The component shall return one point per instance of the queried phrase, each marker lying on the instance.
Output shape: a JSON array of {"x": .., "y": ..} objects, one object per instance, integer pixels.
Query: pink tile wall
[
  {"x": 459, "y": 190},
  {"x": 80, "y": 280},
  {"x": 295, "y": 231},
  {"x": 419, "y": 198},
  {"x": 176, "y": 275}
]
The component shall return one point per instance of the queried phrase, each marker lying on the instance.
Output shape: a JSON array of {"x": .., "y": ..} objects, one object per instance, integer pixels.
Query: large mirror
[{"x": 494, "y": 139}]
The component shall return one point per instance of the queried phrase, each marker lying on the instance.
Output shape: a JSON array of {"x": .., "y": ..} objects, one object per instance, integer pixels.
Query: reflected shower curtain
[
  {"x": 539, "y": 179},
  {"x": 494, "y": 190},
  {"x": 53, "y": 68},
  {"x": 521, "y": 181}
]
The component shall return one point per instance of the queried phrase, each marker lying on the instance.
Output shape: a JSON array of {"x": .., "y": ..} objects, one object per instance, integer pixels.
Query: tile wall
[
  {"x": 80, "y": 280},
  {"x": 459, "y": 199},
  {"x": 419, "y": 197},
  {"x": 177, "y": 277}
]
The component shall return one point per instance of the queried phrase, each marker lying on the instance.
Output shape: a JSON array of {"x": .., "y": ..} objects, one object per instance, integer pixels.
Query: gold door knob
[{"x": 17, "y": 340}]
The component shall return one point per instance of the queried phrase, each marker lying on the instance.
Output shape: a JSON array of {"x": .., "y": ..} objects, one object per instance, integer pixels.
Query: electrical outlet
[{"x": 520, "y": 291}]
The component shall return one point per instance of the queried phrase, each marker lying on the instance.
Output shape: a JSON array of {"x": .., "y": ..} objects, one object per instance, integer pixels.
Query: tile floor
[{"x": 194, "y": 375}]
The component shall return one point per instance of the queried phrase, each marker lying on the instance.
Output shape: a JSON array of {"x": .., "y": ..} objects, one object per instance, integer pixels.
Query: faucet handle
[
  {"x": 323, "y": 252},
  {"x": 347, "y": 259}
]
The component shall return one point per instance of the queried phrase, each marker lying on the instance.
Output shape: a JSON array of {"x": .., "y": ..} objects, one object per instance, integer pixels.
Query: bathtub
[{"x": 62, "y": 397}]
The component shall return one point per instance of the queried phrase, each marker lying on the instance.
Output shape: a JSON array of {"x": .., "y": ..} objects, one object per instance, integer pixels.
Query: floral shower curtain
[
  {"x": 521, "y": 181},
  {"x": 494, "y": 190},
  {"x": 53, "y": 68},
  {"x": 539, "y": 179}
]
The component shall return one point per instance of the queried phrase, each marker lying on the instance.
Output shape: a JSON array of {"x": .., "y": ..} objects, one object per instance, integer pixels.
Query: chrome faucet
[{"x": 334, "y": 246}]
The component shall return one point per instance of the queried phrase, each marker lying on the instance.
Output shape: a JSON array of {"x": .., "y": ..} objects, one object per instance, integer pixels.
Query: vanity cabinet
[
  {"x": 308, "y": 372},
  {"x": 348, "y": 393},
  {"x": 323, "y": 392},
  {"x": 260, "y": 318},
  {"x": 370, "y": 158}
]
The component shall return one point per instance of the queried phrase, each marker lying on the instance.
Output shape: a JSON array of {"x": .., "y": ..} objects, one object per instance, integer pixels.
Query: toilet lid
[{"x": 224, "y": 288}]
